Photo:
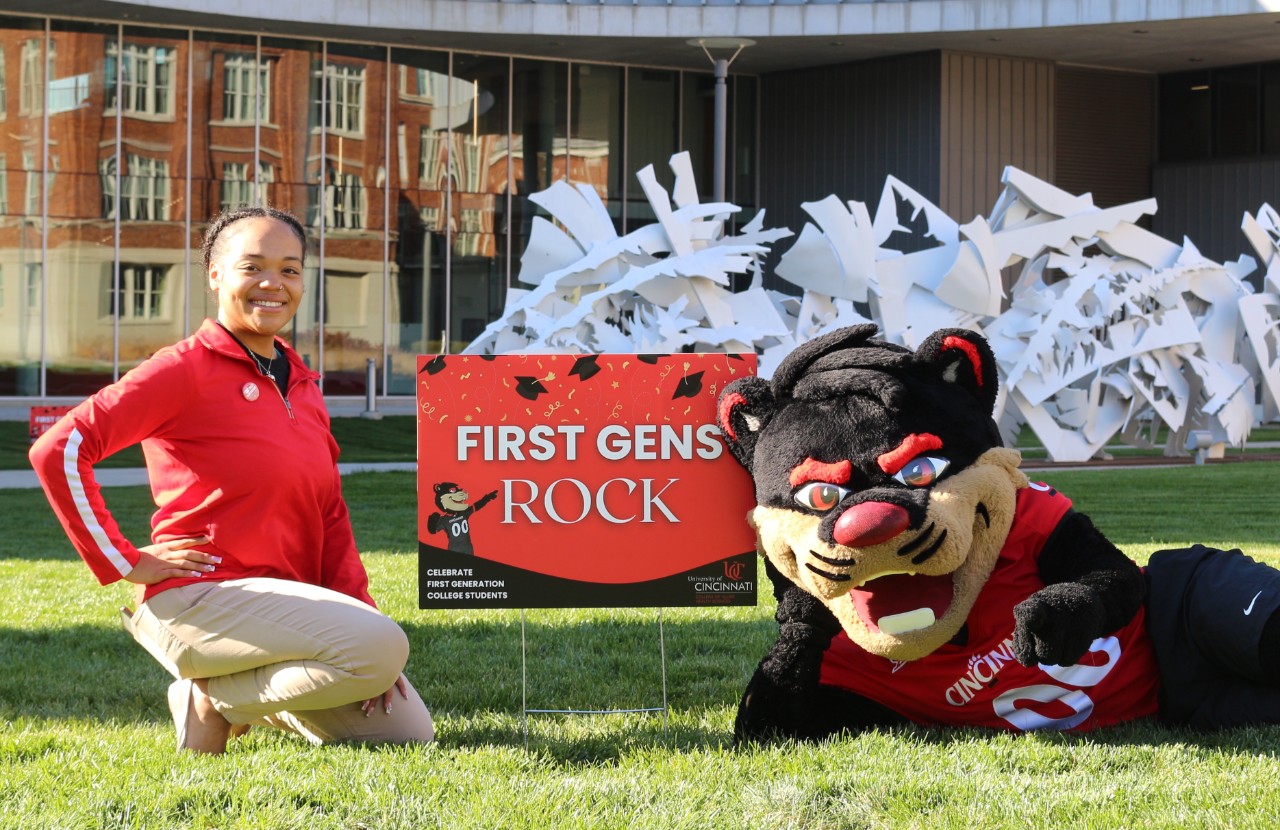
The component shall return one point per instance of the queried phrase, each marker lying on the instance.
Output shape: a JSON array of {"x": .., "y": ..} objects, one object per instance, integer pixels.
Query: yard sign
[{"x": 551, "y": 481}]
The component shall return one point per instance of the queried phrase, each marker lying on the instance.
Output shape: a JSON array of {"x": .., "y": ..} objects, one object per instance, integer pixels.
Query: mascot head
[
  {"x": 451, "y": 498},
  {"x": 881, "y": 485}
]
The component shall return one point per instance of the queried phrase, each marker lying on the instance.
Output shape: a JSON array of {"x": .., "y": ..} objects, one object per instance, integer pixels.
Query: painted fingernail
[
  {"x": 388, "y": 709},
  {"x": 217, "y": 560}
]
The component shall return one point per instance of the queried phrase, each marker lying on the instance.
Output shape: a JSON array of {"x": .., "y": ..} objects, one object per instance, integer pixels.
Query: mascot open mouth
[{"x": 900, "y": 602}]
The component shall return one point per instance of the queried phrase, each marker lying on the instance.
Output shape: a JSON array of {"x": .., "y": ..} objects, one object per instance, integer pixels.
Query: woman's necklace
[{"x": 266, "y": 370}]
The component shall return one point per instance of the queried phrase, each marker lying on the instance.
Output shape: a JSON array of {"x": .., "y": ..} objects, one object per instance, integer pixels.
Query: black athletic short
[{"x": 1206, "y": 609}]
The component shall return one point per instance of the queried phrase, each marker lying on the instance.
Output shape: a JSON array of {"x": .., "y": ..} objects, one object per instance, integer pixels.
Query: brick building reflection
[{"x": 409, "y": 190}]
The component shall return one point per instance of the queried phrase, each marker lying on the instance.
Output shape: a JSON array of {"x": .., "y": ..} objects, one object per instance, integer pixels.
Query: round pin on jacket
[{"x": 250, "y": 391}]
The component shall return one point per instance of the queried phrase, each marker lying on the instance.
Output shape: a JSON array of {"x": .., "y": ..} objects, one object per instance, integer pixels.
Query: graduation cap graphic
[
  {"x": 529, "y": 387},
  {"x": 586, "y": 367},
  {"x": 434, "y": 366},
  {"x": 689, "y": 386}
]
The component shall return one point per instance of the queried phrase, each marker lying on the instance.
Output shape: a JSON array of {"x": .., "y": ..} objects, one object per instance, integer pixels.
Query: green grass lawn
[{"x": 86, "y": 739}]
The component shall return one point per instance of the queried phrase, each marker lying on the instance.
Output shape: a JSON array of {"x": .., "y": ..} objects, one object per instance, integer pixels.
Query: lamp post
[{"x": 721, "y": 64}]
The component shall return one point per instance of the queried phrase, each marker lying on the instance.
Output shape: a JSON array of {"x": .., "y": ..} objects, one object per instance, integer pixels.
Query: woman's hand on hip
[
  {"x": 383, "y": 701},
  {"x": 173, "y": 559}
]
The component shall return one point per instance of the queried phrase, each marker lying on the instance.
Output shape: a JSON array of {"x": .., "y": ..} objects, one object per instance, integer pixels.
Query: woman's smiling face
[{"x": 257, "y": 273}]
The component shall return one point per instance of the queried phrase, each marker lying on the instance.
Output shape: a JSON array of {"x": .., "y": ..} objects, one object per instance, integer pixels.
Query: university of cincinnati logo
[
  {"x": 982, "y": 672},
  {"x": 731, "y": 582}
]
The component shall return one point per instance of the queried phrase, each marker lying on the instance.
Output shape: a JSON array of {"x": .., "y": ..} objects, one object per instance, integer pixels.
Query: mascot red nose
[{"x": 921, "y": 578}]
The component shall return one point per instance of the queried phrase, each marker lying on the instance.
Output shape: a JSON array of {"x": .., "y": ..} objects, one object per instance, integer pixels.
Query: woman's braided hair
[{"x": 209, "y": 249}]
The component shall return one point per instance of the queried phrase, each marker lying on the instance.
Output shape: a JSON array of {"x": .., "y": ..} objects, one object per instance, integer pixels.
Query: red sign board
[
  {"x": 580, "y": 481},
  {"x": 43, "y": 417}
]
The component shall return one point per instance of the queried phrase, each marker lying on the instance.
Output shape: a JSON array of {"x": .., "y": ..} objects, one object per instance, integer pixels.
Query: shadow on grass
[
  {"x": 469, "y": 673},
  {"x": 597, "y": 740},
  {"x": 605, "y": 664},
  {"x": 1252, "y": 740},
  {"x": 470, "y": 677}
]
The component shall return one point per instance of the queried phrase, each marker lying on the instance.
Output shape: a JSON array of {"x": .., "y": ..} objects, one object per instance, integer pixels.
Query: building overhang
[{"x": 788, "y": 34}]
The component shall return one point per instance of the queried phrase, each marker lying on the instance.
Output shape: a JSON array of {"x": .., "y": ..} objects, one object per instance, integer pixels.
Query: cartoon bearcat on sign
[{"x": 922, "y": 579}]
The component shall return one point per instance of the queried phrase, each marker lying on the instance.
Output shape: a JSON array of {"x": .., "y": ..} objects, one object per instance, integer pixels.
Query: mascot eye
[
  {"x": 922, "y": 471},
  {"x": 820, "y": 496}
]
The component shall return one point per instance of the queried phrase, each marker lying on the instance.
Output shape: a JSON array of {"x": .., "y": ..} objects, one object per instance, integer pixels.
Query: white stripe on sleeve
[{"x": 70, "y": 466}]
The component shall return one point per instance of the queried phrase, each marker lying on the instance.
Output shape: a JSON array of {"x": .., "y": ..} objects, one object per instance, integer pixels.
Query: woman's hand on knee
[
  {"x": 383, "y": 701},
  {"x": 173, "y": 559}
]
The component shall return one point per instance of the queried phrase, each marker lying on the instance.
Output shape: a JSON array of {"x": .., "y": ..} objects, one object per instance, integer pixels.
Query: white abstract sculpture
[
  {"x": 661, "y": 288},
  {"x": 1107, "y": 328},
  {"x": 1261, "y": 312}
]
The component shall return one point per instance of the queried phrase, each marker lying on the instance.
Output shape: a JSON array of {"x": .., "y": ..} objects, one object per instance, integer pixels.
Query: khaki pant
[{"x": 294, "y": 656}]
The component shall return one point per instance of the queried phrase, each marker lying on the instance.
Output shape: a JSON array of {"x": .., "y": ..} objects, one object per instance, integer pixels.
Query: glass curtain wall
[
  {"x": 539, "y": 140},
  {"x": 697, "y": 127},
  {"x": 24, "y": 65},
  {"x": 480, "y": 176},
  {"x": 653, "y": 134},
  {"x": 146, "y": 100},
  {"x": 235, "y": 109},
  {"x": 344, "y": 316},
  {"x": 740, "y": 179},
  {"x": 412, "y": 170},
  {"x": 596, "y": 151},
  {"x": 419, "y": 211}
]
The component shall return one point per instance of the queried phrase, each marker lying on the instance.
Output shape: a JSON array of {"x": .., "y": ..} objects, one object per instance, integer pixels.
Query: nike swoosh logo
[{"x": 1249, "y": 610}]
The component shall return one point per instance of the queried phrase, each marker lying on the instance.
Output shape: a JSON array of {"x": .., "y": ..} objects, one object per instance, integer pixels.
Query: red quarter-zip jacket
[{"x": 228, "y": 457}]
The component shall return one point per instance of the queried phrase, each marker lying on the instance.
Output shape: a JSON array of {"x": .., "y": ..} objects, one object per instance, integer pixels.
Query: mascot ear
[
  {"x": 744, "y": 408},
  {"x": 963, "y": 358}
]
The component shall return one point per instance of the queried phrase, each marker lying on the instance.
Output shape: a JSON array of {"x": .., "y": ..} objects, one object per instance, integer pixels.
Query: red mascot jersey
[{"x": 982, "y": 683}]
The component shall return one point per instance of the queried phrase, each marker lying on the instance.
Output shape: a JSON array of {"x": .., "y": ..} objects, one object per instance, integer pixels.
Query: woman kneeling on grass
[{"x": 252, "y": 592}]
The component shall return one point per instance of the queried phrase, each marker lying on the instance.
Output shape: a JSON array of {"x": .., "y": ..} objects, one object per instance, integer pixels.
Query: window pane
[
  {"x": 152, "y": 191},
  {"x": 1271, "y": 108},
  {"x": 478, "y": 118},
  {"x": 20, "y": 245},
  {"x": 146, "y": 77},
  {"x": 1185, "y": 116},
  {"x": 741, "y": 178},
  {"x": 79, "y": 338},
  {"x": 354, "y": 171},
  {"x": 1235, "y": 118},
  {"x": 294, "y": 156},
  {"x": 419, "y": 179},
  {"x": 595, "y": 133},
  {"x": 652, "y": 125},
  {"x": 222, "y": 149},
  {"x": 698, "y": 128},
  {"x": 539, "y": 140}
]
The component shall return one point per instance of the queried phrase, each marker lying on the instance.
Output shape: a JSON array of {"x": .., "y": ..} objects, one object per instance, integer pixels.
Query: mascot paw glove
[{"x": 1057, "y": 624}]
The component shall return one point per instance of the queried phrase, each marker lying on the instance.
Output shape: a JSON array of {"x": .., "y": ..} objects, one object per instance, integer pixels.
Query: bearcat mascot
[{"x": 922, "y": 579}]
